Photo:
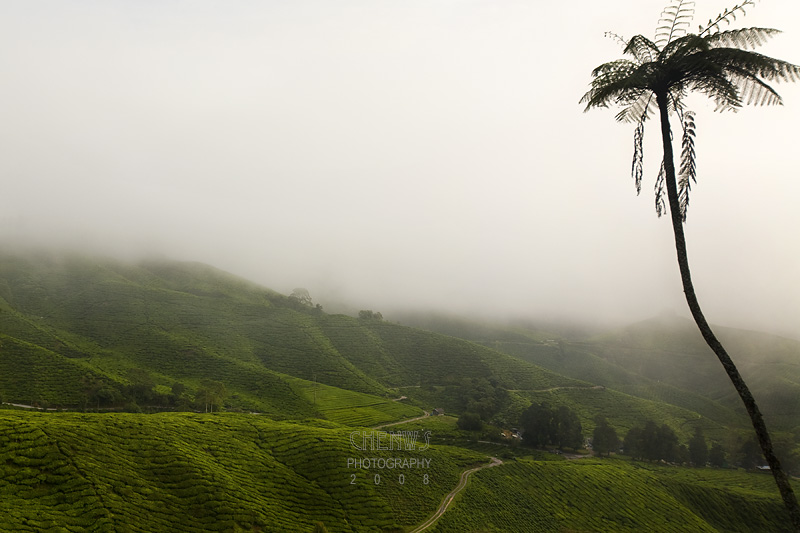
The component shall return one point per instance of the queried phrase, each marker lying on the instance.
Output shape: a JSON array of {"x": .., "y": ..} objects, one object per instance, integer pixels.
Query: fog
[{"x": 391, "y": 154}]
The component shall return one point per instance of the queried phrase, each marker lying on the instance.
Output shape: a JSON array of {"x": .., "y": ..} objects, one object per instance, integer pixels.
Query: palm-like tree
[{"x": 657, "y": 78}]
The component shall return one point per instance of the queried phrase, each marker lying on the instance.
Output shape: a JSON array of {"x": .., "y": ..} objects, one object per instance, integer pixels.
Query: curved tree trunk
[{"x": 789, "y": 499}]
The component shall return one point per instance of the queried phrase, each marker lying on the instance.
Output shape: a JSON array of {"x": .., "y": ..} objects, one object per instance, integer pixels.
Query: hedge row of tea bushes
[
  {"x": 351, "y": 408},
  {"x": 190, "y": 472},
  {"x": 614, "y": 496}
]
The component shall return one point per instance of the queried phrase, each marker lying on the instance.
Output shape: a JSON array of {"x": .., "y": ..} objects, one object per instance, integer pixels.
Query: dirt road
[{"x": 449, "y": 498}]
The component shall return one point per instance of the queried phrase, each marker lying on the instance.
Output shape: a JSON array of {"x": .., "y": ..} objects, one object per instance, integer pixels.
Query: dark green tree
[
  {"x": 538, "y": 426},
  {"x": 470, "y": 422},
  {"x": 604, "y": 438},
  {"x": 649, "y": 441},
  {"x": 210, "y": 393},
  {"x": 666, "y": 444},
  {"x": 300, "y": 298},
  {"x": 716, "y": 455},
  {"x": 698, "y": 449},
  {"x": 750, "y": 454},
  {"x": 141, "y": 385},
  {"x": 569, "y": 432},
  {"x": 633, "y": 444},
  {"x": 658, "y": 78}
]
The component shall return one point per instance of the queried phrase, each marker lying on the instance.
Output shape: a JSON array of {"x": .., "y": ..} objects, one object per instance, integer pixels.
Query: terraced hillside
[
  {"x": 189, "y": 472},
  {"x": 663, "y": 359},
  {"x": 100, "y": 325},
  {"x": 614, "y": 496},
  {"x": 236, "y": 472}
]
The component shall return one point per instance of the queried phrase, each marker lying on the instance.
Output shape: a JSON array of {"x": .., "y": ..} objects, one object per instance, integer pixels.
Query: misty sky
[{"x": 391, "y": 153}]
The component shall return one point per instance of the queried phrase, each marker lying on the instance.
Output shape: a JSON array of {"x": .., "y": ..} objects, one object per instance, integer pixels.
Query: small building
[{"x": 437, "y": 412}]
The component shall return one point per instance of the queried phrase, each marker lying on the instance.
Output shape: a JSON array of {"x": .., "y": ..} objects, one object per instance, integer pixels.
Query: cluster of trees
[
  {"x": 141, "y": 391},
  {"x": 368, "y": 314},
  {"x": 557, "y": 426},
  {"x": 301, "y": 299},
  {"x": 654, "y": 443},
  {"x": 479, "y": 397}
]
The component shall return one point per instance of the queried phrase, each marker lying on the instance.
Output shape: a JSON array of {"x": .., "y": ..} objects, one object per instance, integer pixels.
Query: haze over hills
[
  {"x": 663, "y": 358},
  {"x": 97, "y": 334},
  {"x": 103, "y": 319}
]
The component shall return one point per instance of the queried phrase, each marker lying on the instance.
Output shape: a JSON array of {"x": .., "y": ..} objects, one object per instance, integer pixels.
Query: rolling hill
[
  {"x": 662, "y": 359},
  {"x": 101, "y": 336},
  {"x": 100, "y": 322}
]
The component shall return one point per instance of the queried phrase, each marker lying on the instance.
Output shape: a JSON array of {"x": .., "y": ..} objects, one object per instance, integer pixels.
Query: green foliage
[
  {"x": 664, "y": 71},
  {"x": 368, "y": 314},
  {"x": 211, "y": 392},
  {"x": 470, "y": 422},
  {"x": 604, "y": 438},
  {"x": 750, "y": 455},
  {"x": 698, "y": 449},
  {"x": 716, "y": 455},
  {"x": 652, "y": 442},
  {"x": 558, "y": 426}
]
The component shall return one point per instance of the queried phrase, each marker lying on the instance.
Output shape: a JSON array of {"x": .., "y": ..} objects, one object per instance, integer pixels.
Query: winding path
[{"x": 449, "y": 498}]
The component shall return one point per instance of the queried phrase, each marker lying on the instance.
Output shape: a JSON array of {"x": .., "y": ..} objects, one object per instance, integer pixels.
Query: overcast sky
[{"x": 427, "y": 153}]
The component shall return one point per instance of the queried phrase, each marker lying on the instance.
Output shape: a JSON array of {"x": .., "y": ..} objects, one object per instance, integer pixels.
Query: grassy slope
[
  {"x": 187, "y": 472},
  {"x": 186, "y": 322},
  {"x": 672, "y": 350},
  {"x": 89, "y": 320},
  {"x": 662, "y": 359},
  {"x": 614, "y": 496}
]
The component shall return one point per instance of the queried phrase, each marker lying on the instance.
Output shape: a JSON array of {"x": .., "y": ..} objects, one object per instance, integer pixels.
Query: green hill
[
  {"x": 614, "y": 496},
  {"x": 671, "y": 350},
  {"x": 101, "y": 325},
  {"x": 662, "y": 359},
  {"x": 188, "y": 472},
  {"x": 103, "y": 335}
]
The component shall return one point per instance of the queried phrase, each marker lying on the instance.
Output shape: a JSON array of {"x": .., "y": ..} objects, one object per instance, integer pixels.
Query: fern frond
[
  {"x": 611, "y": 82},
  {"x": 638, "y": 156},
  {"x": 726, "y": 16},
  {"x": 639, "y": 109},
  {"x": 642, "y": 48},
  {"x": 753, "y": 91},
  {"x": 674, "y": 21},
  {"x": 616, "y": 37},
  {"x": 744, "y": 39},
  {"x": 688, "y": 171},
  {"x": 661, "y": 206}
]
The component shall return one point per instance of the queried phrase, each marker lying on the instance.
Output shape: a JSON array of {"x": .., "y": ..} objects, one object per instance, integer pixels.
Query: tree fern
[{"x": 721, "y": 65}]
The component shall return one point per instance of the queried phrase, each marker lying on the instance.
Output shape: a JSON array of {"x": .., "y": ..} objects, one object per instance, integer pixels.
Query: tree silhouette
[{"x": 658, "y": 78}]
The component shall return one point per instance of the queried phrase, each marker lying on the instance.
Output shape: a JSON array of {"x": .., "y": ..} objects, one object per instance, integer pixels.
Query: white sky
[{"x": 420, "y": 153}]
